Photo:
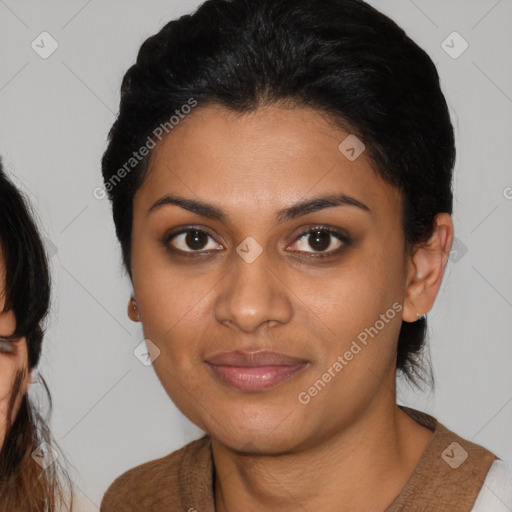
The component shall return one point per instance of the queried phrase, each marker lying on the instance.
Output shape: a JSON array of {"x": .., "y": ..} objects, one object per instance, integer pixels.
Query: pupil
[
  {"x": 195, "y": 239},
  {"x": 319, "y": 240}
]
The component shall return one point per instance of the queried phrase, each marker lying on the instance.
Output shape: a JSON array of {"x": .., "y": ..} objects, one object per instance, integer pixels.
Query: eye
[
  {"x": 324, "y": 242},
  {"x": 190, "y": 240}
]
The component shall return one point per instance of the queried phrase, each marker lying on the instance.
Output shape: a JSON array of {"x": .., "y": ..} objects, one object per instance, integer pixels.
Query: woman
[
  {"x": 280, "y": 173},
  {"x": 30, "y": 471}
]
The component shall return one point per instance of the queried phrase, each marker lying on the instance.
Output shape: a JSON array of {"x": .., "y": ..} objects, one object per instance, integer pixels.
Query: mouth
[{"x": 254, "y": 371}]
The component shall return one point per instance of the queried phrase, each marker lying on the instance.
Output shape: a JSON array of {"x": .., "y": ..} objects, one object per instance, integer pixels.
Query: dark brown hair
[
  {"x": 25, "y": 484},
  {"x": 342, "y": 57}
]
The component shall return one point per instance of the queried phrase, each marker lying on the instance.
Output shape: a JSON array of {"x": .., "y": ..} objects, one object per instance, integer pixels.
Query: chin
[
  {"x": 269, "y": 434},
  {"x": 257, "y": 443}
]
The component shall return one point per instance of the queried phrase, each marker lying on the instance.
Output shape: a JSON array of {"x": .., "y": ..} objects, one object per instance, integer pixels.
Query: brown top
[{"x": 448, "y": 477}]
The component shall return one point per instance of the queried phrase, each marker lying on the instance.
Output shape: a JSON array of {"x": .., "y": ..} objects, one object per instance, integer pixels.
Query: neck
[{"x": 378, "y": 452}]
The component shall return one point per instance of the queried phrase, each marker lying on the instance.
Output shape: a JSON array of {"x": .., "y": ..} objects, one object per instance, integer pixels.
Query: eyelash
[{"x": 337, "y": 234}]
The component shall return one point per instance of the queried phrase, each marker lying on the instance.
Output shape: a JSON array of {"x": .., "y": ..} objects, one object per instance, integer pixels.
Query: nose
[{"x": 253, "y": 293}]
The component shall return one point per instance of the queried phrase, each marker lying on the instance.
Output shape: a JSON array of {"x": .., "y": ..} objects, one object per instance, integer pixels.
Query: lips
[
  {"x": 252, "y": 359},
  {"x": 254, "y": 371}
]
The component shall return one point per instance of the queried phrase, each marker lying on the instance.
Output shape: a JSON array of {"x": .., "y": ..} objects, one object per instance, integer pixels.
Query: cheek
[
  {"x": 168, "y": 300},
  {"x": 175, "y": 319},
  {"x": 8, "y": 370},
  {"x": 352, "y": 297},
  {"x": 171, "y": 295},
  {"x": 175, "y": 309},
  {"x": 7, "y": 323},
  {"x": 357, "y": 311},
  {"x": 9, "y": 365},
  {"x": 378, "y": 276},
  {"x": 355, "y": 317}
]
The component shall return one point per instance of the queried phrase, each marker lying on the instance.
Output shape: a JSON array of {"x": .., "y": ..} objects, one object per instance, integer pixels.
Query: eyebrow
[{"x": 297, "y": 210}]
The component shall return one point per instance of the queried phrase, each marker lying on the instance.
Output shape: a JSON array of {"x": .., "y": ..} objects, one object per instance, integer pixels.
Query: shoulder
[
  {"x": 496, "y": 491},
  {"x": 450, "y": 473},
  {"x": 153, "y": 485}
]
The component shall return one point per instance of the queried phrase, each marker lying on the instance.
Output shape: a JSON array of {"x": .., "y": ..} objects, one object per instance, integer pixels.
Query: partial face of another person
[
  {"x": 253, "y": 279},
  {"x": 13, "y": 359}
]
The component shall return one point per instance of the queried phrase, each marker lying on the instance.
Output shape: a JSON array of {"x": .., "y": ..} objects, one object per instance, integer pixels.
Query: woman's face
[
  {"x": 253, "y": 280},
  {"x": 13, "y": 358}
]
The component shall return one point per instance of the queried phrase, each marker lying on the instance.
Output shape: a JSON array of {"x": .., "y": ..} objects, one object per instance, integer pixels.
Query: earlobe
[
  {"x": 133, "y": 310},
  {"x": 427, "y": 268},
  {"x": 415, "y": 300}
]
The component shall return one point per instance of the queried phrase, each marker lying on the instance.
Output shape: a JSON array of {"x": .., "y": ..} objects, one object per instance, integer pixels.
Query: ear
[
  {"x": 133, "y": 311},
  {"x": 426, "y": 269}
]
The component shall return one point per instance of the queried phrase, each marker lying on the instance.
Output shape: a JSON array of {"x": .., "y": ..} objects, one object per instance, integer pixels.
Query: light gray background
[{"x": 110, "y": 412}]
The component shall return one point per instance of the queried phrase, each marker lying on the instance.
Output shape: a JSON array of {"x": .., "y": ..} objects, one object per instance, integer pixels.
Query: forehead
[{"x": 274, "y": 154}]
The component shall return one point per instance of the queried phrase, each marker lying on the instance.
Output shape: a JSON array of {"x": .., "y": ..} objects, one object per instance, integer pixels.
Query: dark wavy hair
[
  {"x": 24, "y": 485},
  {"x": 345, "y": 59}
]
